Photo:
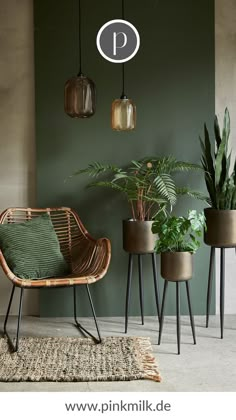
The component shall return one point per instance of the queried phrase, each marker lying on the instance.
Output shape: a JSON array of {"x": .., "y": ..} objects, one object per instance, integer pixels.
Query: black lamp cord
[
  {"x": 123, "y": 95},
  {"x": 80, "y": 48}
]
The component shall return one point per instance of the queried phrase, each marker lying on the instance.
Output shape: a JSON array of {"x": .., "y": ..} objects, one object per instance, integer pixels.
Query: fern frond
[
  {"x": 190, "y": 193},
  {"x": 165, "y": 187},
  {"x": 94, "y": 169}
]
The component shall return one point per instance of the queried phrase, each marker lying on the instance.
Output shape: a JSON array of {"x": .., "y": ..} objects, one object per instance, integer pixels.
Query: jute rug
[{"x": 67, "y": 359}]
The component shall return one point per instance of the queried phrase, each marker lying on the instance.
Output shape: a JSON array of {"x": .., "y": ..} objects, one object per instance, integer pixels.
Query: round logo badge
[{"x": 118, "y": 41}]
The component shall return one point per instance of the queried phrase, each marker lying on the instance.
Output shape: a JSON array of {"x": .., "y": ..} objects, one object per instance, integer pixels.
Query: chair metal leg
[
  {"x": 140, "y": 270},
  {"x": 222, "y": 289},
  {"x": 178, "y": 315},
  {"x": 129, "y": 278},
  {"x": 162, "y": 311},
  {"x": 154, "y": 266},
  {"x": 209, "y": 288},
  {"x": 14, "y": 347},
  {"x": 78, "y": 325},
  {"x": 190, "y": 312}
]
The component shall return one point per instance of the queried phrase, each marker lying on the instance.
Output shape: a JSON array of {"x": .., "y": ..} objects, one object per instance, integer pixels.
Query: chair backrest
[{"x": 69, "y": 228}]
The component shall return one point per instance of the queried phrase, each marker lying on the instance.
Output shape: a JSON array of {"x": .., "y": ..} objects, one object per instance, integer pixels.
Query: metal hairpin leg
[
  {"x": 162, "y": 311},
  {"x": 178, "y": 316},
  {"x": 128, "y": 288},
  {"x": 190, "y": 312},
  {"x": 177, "y": 312},
  {"x": 130, "y": 270},
  {"x": 14, "y": 347},
  {"x": 209, "y": 288},
  {"x": 222, "y": 287},
  {"x": 222, "y": 290},
  {"x": 78, "y": 325},
  {"x": 154, "y": 266},
  {"x": 140, "y": 269}
]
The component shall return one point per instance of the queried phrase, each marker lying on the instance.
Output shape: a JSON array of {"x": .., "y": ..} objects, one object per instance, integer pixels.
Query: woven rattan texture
[
  {"x": 88, "y": 258},
  {"x": 70, "y": 359}
]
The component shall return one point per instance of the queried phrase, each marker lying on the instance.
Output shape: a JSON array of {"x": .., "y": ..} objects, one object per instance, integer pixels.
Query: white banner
[{"x": 116, "y": 405}]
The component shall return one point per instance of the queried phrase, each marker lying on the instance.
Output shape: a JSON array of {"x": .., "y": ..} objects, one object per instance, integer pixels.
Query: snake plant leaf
[
  {"x": 228, "y": 164},
  {"x": 217, "y": 132},
  {"x": 202, "y": 145},
  {"x": 234, "y": 172},
  {"x": 223, "y": 174},
  {"x": 226, "y": 128},
  {"x": 211, "y": 190},
  {"x": 218, "y": 161},
  {"x": 208, "y": 155}
]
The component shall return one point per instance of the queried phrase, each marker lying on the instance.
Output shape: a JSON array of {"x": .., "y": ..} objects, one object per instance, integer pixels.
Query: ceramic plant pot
[
  {"x": 138, "y": 237},
  {"x": 176, "y": 266},
  {"x": 221, "y": 228}
]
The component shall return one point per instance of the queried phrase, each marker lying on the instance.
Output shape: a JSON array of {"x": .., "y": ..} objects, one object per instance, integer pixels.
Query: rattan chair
[{"x": 88, "y": 260}]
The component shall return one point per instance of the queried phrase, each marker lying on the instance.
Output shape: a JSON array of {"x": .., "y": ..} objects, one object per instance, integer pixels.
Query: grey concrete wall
[
  {"x": 225, "y": 65},
  {"x": 17, "y": 138}
]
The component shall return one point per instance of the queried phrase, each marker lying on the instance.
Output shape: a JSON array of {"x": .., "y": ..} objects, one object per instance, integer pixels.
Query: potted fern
[
  {"x": 220, "y": 178},
  {"x": 149, "y": 188},
  {"x": 178, "y": 240}
]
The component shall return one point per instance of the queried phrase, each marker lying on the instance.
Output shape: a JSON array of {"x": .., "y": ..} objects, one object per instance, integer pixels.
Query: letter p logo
[
  {"x": 115, "y": 36},
  {"x": 118, "y": 41}
]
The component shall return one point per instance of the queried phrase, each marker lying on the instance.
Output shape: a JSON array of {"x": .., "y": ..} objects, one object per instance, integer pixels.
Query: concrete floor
[{"x": 208, "y": 366}]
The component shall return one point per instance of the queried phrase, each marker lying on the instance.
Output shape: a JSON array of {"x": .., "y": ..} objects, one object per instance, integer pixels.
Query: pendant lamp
[
  {"x": 123, "y": 110},
  {"x": 80, "y": 91}
]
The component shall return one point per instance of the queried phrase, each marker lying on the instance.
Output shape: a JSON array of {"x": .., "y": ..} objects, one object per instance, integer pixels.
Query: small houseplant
[
  {"x": 220, "y": 178},
  {"x": 178, "y": 240},
  {"x": 149, "y": 188}
]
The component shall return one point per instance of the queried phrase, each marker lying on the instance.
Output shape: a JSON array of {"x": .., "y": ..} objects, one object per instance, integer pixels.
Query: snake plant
[{"x": 220, "y": 174}]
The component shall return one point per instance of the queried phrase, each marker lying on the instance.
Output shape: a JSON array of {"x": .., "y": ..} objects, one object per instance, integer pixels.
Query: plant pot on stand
[
  {"x": 139, "y": 240},
  {"x": 178, "y": 240},
  {"x": 176, "y": 267},
  {"x": 220, "y": 178},
  {"x": 220, "y": 233}
]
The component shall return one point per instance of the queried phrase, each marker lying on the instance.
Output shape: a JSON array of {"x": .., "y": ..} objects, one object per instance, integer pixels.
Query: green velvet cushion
[{"x": 32, "y": 249}]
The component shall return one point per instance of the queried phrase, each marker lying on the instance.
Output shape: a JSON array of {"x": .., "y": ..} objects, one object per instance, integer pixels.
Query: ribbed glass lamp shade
[
  {"x": 123, "y": 114},
  {"x": 80, "y": 97}
]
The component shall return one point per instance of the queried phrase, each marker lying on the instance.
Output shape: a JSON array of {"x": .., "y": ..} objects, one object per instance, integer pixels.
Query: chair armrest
[{"x": 93, "y": 259}]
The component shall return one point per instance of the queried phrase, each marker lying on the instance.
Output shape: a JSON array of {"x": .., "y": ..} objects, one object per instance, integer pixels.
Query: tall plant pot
[
  {"x": 221, "y": 228},
  {"x": 176, "y": 266},
  {"x": 138, "y": 237}
]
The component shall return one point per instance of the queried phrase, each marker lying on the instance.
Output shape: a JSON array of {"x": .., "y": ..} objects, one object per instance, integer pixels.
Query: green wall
[{"x": 171, "y": 80}]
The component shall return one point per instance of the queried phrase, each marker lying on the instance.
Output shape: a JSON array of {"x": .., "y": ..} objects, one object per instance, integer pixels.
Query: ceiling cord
[
  {"x": 123, "y": 96},
  {"x": 80, "y": 48}
]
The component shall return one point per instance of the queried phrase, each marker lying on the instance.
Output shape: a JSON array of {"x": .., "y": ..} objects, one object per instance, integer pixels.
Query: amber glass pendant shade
[
  {"x": 80, "y": 97},
  {"x": 123, "y": 115}
]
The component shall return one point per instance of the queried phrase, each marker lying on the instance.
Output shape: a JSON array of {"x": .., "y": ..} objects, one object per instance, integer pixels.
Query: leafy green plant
[
  {"x": 220, "y": 179},
  {"x": 147, "y": 184},
  {"x": 179, "y": 234}
]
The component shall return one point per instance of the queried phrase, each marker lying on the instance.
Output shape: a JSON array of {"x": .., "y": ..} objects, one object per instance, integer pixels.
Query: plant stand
[
  {"x": 222, "y": 286},
  {"x": 129, "y": 279},
  {"x": 177, "y": 311}
]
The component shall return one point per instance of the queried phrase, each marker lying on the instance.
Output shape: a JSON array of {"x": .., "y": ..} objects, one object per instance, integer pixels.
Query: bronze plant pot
[
  {"x": 138, "y": 237},
  {"x": 176, "y": 266},
  {"x": 221, "y": 228}
]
